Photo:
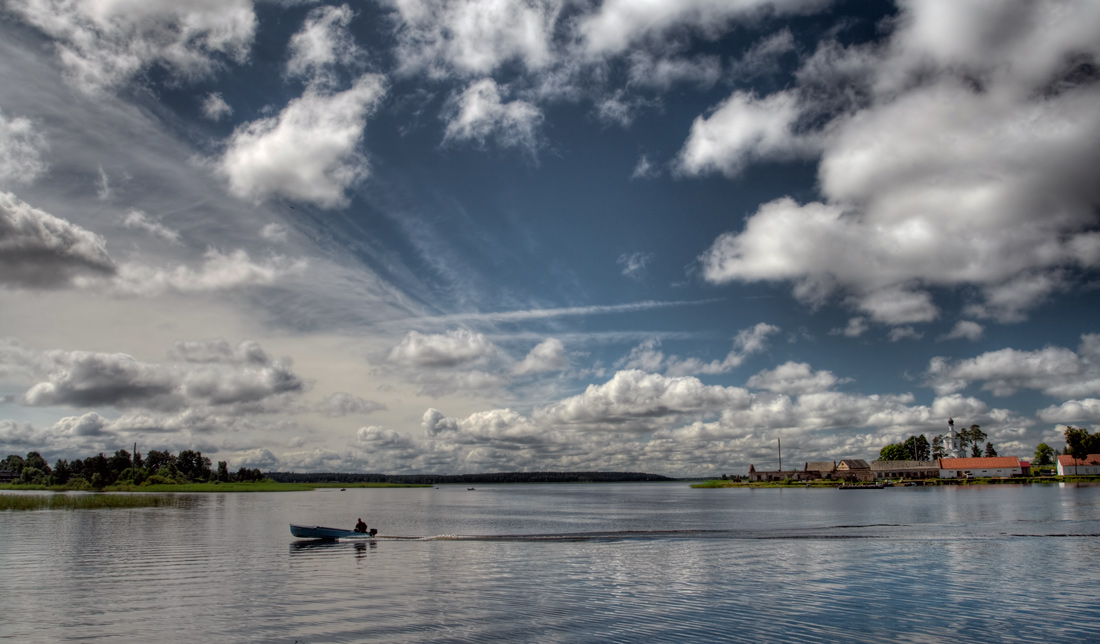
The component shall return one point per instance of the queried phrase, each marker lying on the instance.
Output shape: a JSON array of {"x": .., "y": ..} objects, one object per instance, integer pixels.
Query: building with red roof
[
  {"x": 1088, "y": 466},
  {"x": 979, "y": 467}
]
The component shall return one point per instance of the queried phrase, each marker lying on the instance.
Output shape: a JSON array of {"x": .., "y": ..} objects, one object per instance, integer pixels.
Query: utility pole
[{"x": 780, "y": 444}]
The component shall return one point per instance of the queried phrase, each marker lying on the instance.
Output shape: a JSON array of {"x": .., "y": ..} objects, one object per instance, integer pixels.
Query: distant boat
[
  {"x": 469, "y": 488},
  {"x": 868, "y": 486},
  {"x": 321, "y": 532}
]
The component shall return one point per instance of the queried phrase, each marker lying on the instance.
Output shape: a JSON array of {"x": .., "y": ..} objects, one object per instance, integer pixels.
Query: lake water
[{"x": 566, "y": 563}]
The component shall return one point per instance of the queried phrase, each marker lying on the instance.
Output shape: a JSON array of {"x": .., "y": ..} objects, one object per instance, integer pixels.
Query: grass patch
[{"x": 86, "y": 501}]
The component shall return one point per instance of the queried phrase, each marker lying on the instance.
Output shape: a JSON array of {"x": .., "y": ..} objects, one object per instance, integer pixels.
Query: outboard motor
[{"x": 373, "y": 531}]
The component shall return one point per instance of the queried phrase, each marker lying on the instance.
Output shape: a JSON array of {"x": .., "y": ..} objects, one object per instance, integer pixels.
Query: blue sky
[{"x": 427, "y": 236}]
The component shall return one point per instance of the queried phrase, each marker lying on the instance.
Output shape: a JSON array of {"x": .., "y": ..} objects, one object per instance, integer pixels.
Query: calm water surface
[{"x": 565, "y": 563}]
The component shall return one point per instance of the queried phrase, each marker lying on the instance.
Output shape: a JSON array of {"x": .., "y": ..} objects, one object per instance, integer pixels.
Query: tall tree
[
  {"x": 938, "y": 448},
  {"x": 893, "y": 452},
  {"x": 918, "y": 448},
  {"x": 1078, "y": 443},
  {"x": 989, "y": 450},
  {"x": 1044, "y": 454}
]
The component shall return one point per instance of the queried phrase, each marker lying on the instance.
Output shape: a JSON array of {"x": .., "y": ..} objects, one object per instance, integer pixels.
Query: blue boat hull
[{"x": 321, "y": 532}]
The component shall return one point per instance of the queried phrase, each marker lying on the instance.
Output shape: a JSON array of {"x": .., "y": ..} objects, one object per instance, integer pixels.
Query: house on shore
[
  {"x": 853, "y": 469},
  {"x": 7, "y": 476},
  {"x": 980, "y": 467},
  {"x": 776, "y": 475},
  {"x": 820, "y": 469},
  {"x": 1088, "y": 466},
  {"x": 905, "y": 470}
]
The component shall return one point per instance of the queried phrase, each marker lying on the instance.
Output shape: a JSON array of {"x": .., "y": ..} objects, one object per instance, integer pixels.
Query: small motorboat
[{"x": 321, "y": 532}]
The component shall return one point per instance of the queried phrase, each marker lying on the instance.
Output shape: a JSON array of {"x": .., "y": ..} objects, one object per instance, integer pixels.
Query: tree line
[
  {"x": 917, "y": 448},
  {"x": 158, "y": 467},
  {"x": 466, "y": 479}
]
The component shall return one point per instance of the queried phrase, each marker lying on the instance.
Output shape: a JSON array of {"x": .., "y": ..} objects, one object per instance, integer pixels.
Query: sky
[{"x": 458, "y": 236}]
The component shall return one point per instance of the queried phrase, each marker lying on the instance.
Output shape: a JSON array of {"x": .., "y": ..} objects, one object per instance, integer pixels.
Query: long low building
[
  {"x": 1089, "y": 466},
  {"x": 980, "y": 467},
  {"x": 905, "y": 470}
]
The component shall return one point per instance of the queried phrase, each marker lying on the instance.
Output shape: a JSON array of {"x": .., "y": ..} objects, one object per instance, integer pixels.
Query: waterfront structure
[
  {"x": 7, "y": 476},
  {"x": 820, "y": 469},
  {"x": 906, "y": 470},
  {"x": 777, "y": 475},
  {"x": 1088, "y": 466},
  {"x": 980, "y": 467},
  {"x": 854, "y": 469}
]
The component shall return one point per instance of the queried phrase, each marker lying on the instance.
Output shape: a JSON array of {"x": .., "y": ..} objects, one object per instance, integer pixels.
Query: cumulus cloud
[
  {"x": 472, "y": 37},
  {"x": 103, "y": 45},
  {"x": 210, "y": 377},
  {"x": 323, "y": 42},
  {"x": 21, "y": 147},
  {"x": 965, "y": 330},
  {"x": 215, "y": 108},
  {"x": 793, "y": 378},
  {"x": 218, "y": 272},
  {"x": 956, "y": 155},
  {"x": 309, "y": 151},
  {"x": 620, "y": 23},
  {"x": 39, "y": 250},
  {"x": 478, "y": 114},
  {"x": 450, "y": 349},
  {"x": 1055, "y": 371},
  {"x": 548, "y": 355},
  {"x": 742, "y": 130},
  {"x": 1086, "y": 410}
]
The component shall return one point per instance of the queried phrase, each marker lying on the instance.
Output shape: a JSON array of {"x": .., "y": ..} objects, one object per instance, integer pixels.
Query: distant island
[{"x": 445, "y": 479}]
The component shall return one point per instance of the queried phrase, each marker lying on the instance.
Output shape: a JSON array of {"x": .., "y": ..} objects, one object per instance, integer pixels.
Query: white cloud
[
  {"x": 856, "y": 327},
  {"x": 620, "y": 23},
  {"x": 661, "y": 73},
  {"x": 747, "y": 343},
  {"x": 215, "y": 108},
  {"x": 634, "y": 264},
  {"x": 742, "y": 130},
  {"x": 104, "y": 44},
  {"x": 93, "y": 379},
  {"x": 642, "y": 401},
  {"x": 547, "y": 356},
  {"x": 645, "y": 169},
  {"x": 323, "y": 42},
  {"x": 965, "y": 330},
  {"x": 472, "y": 37},
  {"x": 1055, "y": 371},
  {"x": 900, "y": 333},
  {"x": 477, "y": 114},
  {"x": 39, "y": 250},
  {"x": 274, "y": 232},
  {"x": 459, "y": 347},
  {"x": 1072, "y": 411},
  {"x": 136, "y": 220},
  {"x": 953, "y": 154},
  {"x": 21, "y": 148},
  {"x": 309, "y": 152},
  {"x": 793, "y": 378},
  {"x": 218, "y": 272}
]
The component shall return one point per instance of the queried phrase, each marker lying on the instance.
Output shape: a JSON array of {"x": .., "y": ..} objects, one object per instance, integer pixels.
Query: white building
[
  {"x": 1090, "y": 466},
  {"x": 980, "y": 467}
]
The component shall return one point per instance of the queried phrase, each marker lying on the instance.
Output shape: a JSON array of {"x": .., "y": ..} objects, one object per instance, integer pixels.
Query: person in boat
[{"x": 360, "y": 526}]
